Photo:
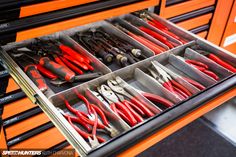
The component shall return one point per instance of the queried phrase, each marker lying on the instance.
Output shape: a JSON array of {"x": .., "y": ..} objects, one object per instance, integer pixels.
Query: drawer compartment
[{"x": 152, "y": 102}]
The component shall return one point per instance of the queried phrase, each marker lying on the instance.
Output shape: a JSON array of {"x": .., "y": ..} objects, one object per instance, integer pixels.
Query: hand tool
[
  {"x": 39, "y": 67},
  {"x": 11, "y": 96},
  {"x": 154, "y": 47},
  {"x": 92, "y": 117},
  {"x": 116, "y": 86},
  {"x": 201, "y": 67},
  {"x": 144, "y": 15},
  {"x": 167, "y": 82},
  {"x": 113, "y": 132},
  {"x": 31, "y": 71},
  {"x": 116, "y": 105},
  {"x": 92, "y": 138},
  {"x": 194, "y": 83},
  {"x": 22, "y": 116},
  {"x": 118, "y": 54},
  {"x": 156, "y": 98},
  {"x": 218, "y": 60},
  {"x": 90, "y": 44},
  {"x": 67, "y": 63},
  {"x": 157, "y": 36},
  {"x": 57, "y": 69},
  {"x": 78, "y": 78},
  {"x": 117, "y": 42},
  {"x": 28, "y": 134}
]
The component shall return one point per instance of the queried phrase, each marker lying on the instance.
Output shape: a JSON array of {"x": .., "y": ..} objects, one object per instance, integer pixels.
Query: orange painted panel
[
  {"x": 26, "y": 125},
  {"x": 175, "y": 126},
  {"x": 44, "y": 140},
  {"x": 196, "y": 22},
  {"x": 202, "y": 34},
  {"x": 219, "y": 21},
  {"x": 229, "y": 38},
  {"x": 50, "y": 6},
  {"x": 12, "y": 85},
  {"x": 59, "y": 26},
  {"x": 17, "y": 107},
  {"x": 185, "y": 7},
  {"x": 3, "y": 143}
]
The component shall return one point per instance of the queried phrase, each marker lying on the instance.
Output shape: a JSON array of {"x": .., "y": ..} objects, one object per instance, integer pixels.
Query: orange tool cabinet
[
  {"x": 206, "y": 19},
  {"x": 228, "y": 41}
]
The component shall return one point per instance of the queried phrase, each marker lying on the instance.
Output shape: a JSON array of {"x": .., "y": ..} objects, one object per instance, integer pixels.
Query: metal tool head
[
  {"x": 108, "y": 94},
  {"x": 115, "y": 85},
  {"x": 112, "y": 130},
  {"x": 161, "y": 73},
  {"x": 93, "y": 142},
  {"x": 100, "y": 98}
]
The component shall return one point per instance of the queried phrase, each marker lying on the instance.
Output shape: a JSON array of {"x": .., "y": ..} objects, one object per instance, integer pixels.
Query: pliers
[
  {"x": 217, "y": 59},
  {"x": 201, "y": 67},
  {"x": 92, "y": 117},
  {"x": 167, "y": 82},
  {"x": 145, "y": 16},
  {"x": 116, "y": 105},
  {"x": 91, "y": 138}
]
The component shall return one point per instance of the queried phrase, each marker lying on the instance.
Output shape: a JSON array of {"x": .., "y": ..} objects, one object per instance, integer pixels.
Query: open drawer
[{"x": 136, "y": 79}]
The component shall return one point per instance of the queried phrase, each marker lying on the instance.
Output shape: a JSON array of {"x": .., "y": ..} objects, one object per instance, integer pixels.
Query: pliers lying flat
[
  {"x": 167, "y": 82},
  {"x": 201, "y": 67},
  {"x": 218, "y": 60}
]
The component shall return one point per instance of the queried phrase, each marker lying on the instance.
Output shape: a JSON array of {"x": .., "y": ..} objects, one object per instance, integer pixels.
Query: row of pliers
[
  {"x": 168, "y": 82},
  {"x": 128, "y": 107},
  {"x": 201, "y": 67},
  {"x": 88, "y": 120}
]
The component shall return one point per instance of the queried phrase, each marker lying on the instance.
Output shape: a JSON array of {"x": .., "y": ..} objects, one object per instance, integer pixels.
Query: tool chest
[{"x": 156, "y": 50}]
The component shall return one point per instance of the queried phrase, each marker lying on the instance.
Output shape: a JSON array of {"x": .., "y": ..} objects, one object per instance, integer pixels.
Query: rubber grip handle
[
  {"x": 46, "y": 72},
  {"x": 71, "y": 66},
  {"x": 157, "y": 99},
  {"x": 211, "y": 74},
  {"x": 196, "y": 63},
  {"x": 144, "y": 42},
  {"x": 154, "y": 34},
  {"x": 142, "y": 107},
  {"x": 101, "y": 114},
  {"x": 61, "y": 71},
  {"x": 134, "y": 113},
  {"x": 222, "y": 63},
  {"x": 194, "y": 83},
  {"x": 181, "y": 87},
  {"x": 127, "y": 113},
  {"x": 76, "y": 62},
  {"x": 73, "y": 53},
  {"x": 86, "y": 77},
  {"x": 36, "y": 77}
]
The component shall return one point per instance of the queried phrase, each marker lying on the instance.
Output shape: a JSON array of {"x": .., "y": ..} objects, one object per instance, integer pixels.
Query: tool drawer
[{"x": 109, "y": 84}]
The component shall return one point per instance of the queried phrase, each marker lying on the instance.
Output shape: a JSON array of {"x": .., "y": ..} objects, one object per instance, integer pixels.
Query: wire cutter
[
  {"x": 117, "y": 87},
  {"x": 167, "y": 82}
]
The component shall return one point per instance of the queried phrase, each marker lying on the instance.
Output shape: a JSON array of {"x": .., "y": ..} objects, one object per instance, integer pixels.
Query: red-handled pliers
[
  {"x": 218, "y": 60},
  {"x": 92, "y": 138},
  {"x": 167, "y": 82},
  {"x": 201, "y": 67},
  {"x": 116, "y": 105}
]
